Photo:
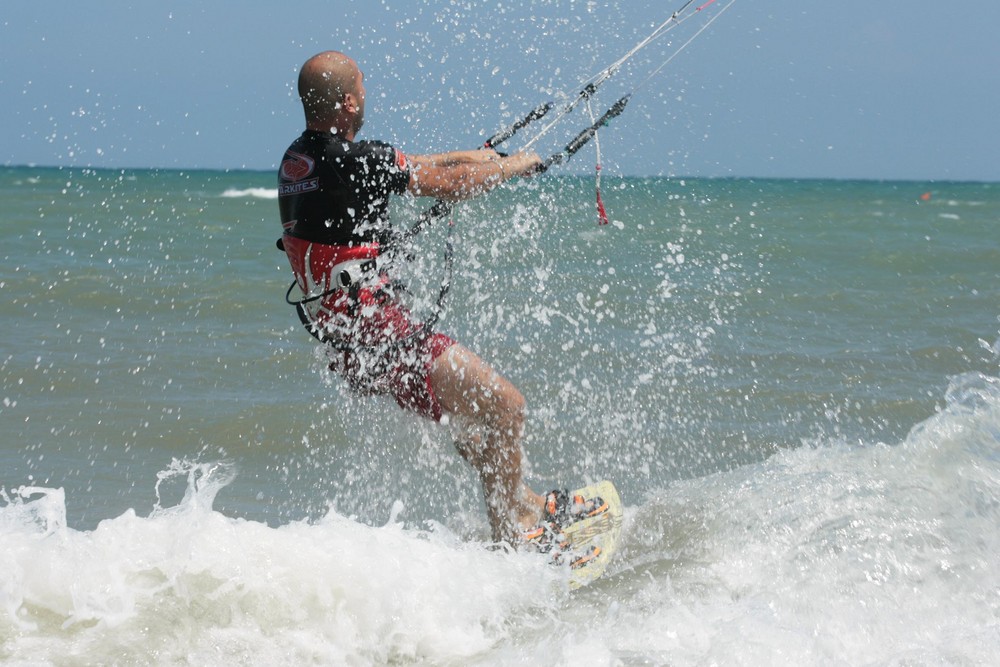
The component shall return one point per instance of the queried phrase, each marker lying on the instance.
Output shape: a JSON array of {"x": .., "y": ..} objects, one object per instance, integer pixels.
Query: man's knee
[
  {"x": 516, "y": 406},
  {"x": 505, "y": 409}
]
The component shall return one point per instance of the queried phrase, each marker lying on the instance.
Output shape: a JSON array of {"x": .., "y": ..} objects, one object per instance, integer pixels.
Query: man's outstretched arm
[{"x": 465, "y": 174}]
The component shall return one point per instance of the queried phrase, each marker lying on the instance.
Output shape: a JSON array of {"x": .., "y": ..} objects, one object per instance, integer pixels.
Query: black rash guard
[{"x": 336, "y": 192}]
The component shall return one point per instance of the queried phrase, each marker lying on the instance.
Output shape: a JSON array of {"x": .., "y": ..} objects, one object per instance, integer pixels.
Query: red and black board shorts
[{"x": 387, "y": 354}]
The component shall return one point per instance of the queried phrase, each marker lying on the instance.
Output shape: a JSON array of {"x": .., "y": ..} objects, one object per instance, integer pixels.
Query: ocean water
[{"x": 794, "y": 384}]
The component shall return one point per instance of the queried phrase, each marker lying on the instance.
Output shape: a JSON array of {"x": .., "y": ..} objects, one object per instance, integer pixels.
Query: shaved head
[{"x": 332, "y": 93}]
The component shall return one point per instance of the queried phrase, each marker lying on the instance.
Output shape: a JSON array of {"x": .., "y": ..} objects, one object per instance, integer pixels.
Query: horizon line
[{"x": 624, "y": 176}]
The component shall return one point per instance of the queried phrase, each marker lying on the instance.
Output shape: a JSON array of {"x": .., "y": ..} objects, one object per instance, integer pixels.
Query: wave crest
[{"x": 254, "y": 193}]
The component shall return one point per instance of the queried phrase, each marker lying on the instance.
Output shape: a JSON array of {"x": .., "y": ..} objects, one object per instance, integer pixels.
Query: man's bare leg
[{"x": 467, "y": 386}]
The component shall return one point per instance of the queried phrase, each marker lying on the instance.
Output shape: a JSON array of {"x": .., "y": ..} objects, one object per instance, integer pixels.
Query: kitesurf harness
[
  {"x": 348, "y": 269},
  {"x": 352, "y": 276}
]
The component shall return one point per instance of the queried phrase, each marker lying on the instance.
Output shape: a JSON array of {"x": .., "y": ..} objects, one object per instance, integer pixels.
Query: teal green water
[
  {"x": 715, "y": 322},
  {"x": 722, "y": 343}
]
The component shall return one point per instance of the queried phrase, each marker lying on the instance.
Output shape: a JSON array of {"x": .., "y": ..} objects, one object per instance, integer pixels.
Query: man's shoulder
[
  {"x": 387, "y": 154},
  {"x": 325, "y": 141},
  {"x": 324, "y": 152},
  {"x": 376, "y": 146}
]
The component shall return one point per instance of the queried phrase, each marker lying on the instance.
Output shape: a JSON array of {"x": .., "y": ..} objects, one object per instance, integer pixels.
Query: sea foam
[
  {"x": 257, "y": 193},
  {"x": 187, "y": 583}
]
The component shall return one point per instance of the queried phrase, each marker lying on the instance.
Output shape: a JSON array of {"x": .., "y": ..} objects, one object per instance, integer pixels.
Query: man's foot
[
  {"x": 564, "y": 510},
  {"x": 561, "y": 510}
]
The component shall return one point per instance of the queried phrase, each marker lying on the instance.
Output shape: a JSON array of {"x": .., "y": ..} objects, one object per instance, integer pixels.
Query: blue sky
[{"x": 897, "y": 89}]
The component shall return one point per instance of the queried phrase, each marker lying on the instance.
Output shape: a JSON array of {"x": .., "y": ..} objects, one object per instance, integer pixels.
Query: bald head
[{"x": 332, "y": 93}]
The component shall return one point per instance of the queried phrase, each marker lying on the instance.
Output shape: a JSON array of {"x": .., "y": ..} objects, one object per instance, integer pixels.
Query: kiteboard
[{"x": 589, "y": 544}]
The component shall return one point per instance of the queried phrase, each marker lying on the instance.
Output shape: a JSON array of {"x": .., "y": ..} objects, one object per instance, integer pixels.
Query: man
[{"x": 333, "y": 198}]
